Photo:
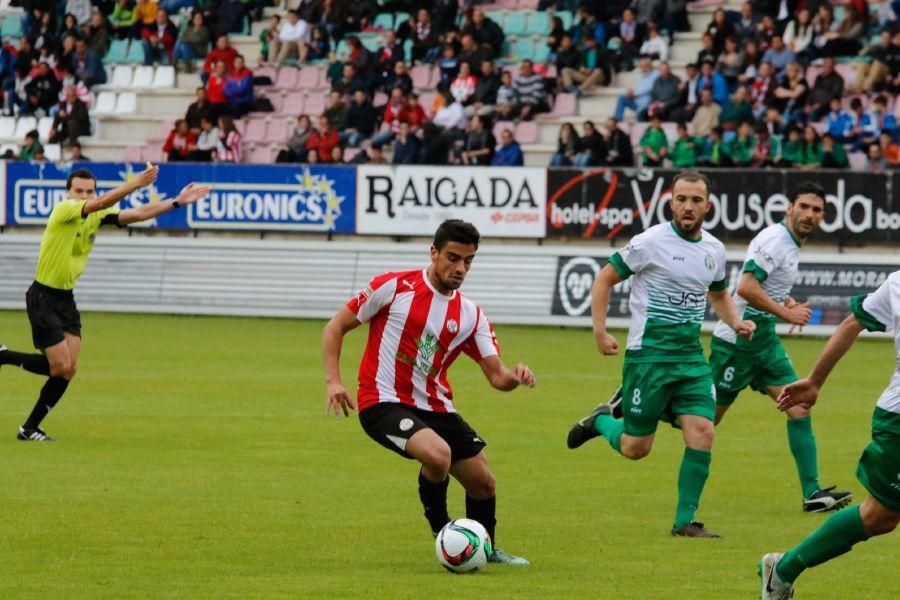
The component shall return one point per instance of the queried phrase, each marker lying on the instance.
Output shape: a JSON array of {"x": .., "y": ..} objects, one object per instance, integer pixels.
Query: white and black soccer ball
[{"x": 463, "y": 546}]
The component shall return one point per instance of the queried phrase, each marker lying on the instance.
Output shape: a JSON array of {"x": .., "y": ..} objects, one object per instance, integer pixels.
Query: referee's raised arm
[{"x": 112, "y": 197}]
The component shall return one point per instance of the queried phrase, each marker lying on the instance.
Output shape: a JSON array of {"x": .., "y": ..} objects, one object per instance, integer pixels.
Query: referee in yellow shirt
[{"x": 65, "y": 246}]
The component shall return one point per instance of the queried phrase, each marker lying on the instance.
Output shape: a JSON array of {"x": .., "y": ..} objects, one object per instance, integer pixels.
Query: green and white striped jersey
[
  {"x": 672, "y": 275},
  {"x": 880, "y": 311},
  {"x": 774, "y": 259}
]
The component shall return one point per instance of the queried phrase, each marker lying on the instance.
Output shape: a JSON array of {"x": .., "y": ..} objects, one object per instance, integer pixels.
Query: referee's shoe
[{"x": 34, "y": 435}]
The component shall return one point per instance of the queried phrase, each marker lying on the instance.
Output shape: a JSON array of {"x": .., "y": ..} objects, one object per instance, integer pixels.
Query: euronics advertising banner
[
  {"x": 827, "y": 287},
  {"x": 255, "y": 197},
  {"x": 607, "y": 204},
  {"x": 501, "y": 202}
]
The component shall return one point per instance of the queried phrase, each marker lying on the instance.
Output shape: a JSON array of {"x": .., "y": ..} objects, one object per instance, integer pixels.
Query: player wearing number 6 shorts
[
  {"x": 762, "y": 364},
  {"x": 676, "y": 267}
]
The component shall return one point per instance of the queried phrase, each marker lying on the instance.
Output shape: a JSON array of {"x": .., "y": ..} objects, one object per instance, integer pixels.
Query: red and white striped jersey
[{"x": 415, "y": 334}]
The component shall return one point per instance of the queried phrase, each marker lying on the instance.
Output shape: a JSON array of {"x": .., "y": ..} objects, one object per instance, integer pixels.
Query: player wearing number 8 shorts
[
  {"x": 769, "y": 272},
  {"x": 676, "y": 267}
]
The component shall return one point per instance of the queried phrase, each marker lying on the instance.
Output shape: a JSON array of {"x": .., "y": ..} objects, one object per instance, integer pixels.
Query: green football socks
[
  {"x": 611, "y": 429},
  {"x": 691, "y": 479},
  {"x": 836, "y": 536},
  {"x": 803, "y": 447}
]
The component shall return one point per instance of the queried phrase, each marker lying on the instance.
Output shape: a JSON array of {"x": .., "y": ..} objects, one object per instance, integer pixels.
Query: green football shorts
[
  {"x": 879, "y": 465},
  {"x": 733, "y": 370},
  {"x": 652, "y": 392}
]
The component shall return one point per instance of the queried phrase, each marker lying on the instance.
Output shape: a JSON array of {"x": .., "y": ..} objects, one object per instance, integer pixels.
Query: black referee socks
[
  {"x": 434, "y": 500},
  {"x": 50, "y": 395},
  {"x": 33, "y": 363}
]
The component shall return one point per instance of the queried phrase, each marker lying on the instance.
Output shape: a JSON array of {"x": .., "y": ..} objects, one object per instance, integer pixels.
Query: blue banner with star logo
[{"x": 313, "y": 198}]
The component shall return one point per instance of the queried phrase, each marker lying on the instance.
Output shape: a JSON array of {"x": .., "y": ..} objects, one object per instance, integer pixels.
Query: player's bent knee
[
  {"x": 883, "y": 524},
  {"x": 636, "y": 450},
  {"x": 438, "y": 458}
]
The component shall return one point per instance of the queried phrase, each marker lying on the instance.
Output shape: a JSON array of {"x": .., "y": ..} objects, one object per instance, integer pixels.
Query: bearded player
[
  {"x": 65, "y": 247},
  {"x": 418, "y": 324}
]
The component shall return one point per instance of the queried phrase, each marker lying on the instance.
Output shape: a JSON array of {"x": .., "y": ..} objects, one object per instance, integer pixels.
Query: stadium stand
[{"x": 585, "y": 65}]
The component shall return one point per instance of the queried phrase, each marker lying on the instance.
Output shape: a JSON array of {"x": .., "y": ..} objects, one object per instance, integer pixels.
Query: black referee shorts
[
  {"x": 52, "y": 313},
  {"x": 391, "y": 424}
]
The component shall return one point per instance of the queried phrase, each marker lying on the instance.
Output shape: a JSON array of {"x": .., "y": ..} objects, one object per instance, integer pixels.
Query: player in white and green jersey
[
  {"x": 879, "y": 467},
  {"x": 763, "y": 296},
  {"x": 676, "y": 267}
]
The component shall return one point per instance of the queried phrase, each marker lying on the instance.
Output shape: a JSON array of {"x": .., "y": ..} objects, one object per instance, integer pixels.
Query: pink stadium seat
[
  {"x": 255, "y": 131},
  {"x": 421, "y": 77},
  {"x": 287, "y": 78},
  {"x": 845, "y": 101},
  {"x": 565, "y": 105},
  {"x": 848, "y": 72},
  {"x": 704, "y": 3},
  {"x": 315, "y": 105},
  {"x": 350, "y": 153},
  {"x": 269, "y": 72},
  {"x": 427, "y": 100},
  {"x": 551, "y": 72},
  {"x": 527, "y": 132},
  {"x": 294, "y": 103},
  {"x": 309, "y": 78},
  {"x": 260, "y": 154},
  {"x": 277, "y": 100},
  {"x": 637, "y": 130},
  {"x": 240, "y": 125},
  {"x": 380, "y": 99},
  {"x": 500, "y": 126},
  {"x": 435, "y": 78},
  {"x": 132, "y": 154},
  {"x": 671, "y": 130},
  {"x": 153, "y": 154},
  {"x": 528, "y": 4},
  {"x": 811, "y": 73},
  {"x": 897, "y": 107},
  {"x": 857, "y": 161},
  {"x": 278, "y": 131}
]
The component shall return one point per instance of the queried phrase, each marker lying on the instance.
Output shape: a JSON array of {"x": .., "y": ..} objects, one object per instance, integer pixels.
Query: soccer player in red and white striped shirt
[{"x": 418, "y": 324}]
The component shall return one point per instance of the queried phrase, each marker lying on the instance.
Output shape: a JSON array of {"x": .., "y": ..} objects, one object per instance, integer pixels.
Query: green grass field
[{"x": 196, "y": 461}]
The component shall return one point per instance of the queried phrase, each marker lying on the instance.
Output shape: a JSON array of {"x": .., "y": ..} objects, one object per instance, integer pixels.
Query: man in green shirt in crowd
[
  {"x": 686, "y": 150},
  {"x": 654, "y": 144},
  {"x": 65, "y": 247}
]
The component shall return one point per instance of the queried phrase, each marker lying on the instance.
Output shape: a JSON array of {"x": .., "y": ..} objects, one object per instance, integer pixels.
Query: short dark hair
[
  {"x": 455, "y": 230},
  {"x": 808, "y": 187},
  {"x": 79, "y": 174},
  {"x": 692, "y": 176}
]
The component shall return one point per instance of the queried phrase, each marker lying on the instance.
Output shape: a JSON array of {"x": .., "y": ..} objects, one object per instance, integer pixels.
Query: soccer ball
[{"x": 463, "y": 546}]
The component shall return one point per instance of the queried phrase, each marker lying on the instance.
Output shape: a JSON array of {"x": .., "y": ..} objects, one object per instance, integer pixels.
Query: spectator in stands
[
  {"x": 619, "y": 145},
  {"x": 318, "y": 46},
  {"x": 98, "y": 33},
  {"x": 798, "y": 34},
  {"x": 656, "y": 46},
  {"x": 833, "y": 154},
  {"x": 876, "y": 160},
  {"x": 14, "y": 93},
  {"x": 685, "y": 152},
  {"x": 889, "y": 149},
  {"x": 790, "y": 95},
  {"x": 413, "y": 114},
  {"x": 361, "y": 14},
  {"x": 238, "y": 88},
  {"x": 199, "y": 109},
  {"x": 336, "y": 110},
  {"x": 585, "y": 27},
  {"x": 479, "y": 145},
  {"x": 42, "y": 91},
  {"x": 391, "y": 118},
  {"x": 323, "y": 140},
  {"x": 567, "y": 146},
  {"x": 292, "y": 32},
  {"x": 592, "y": 149},
  {"x": 473, "y": 54},
  {"x": 706, "y": 116},
  {"x": 654, "y": 145},
  {"x": 828, "y": 85},
  {"x": 226, "y": 16},
  {"x": 228, "y": 148},
  {"x": 448, "y": 66},
  {"x": 884, "y": 121},
  {"x": 740, "y": 147},
  {"x": 407, "y": 147},
  {"x": 839, "y": 122},
  {"x": 193, "y": 43},
  {"x": 720, "y": 29},
  {"x": 388, "y": 54},
  {"x": 824, "y": 28},
  {"x": 450, "y": 118},
  {"x": 676, "y": 18},
  {"x": 351, "y": 80},
  {"x": 737, "y": 111},
  {"x": 812, "y": 149},
  {"x": 764, "y": 148},
  {"x": 484, "y": 96},
  {"x": 425, "y": 38},
  {"x": 648, "y": 10},
  {"x": 706, "y": 53},
  {"x": 207, "y": 141},
  {"x": 568, "y": 60},
  {"x": 144, "y": 15},
  {"x": 296, "y": 150},
  {"x": 745, "y": 26},
  {"x": 123, "y": 18},
  {"x": 222, "y": 52},
  {"x": 71, "y": 120},
  {"x": 31, "y": 148},
  {"x": 80, "y": 9},
  {"x": 374, "y": 155},
  {"x": 463, "y": 86},
  {"x": 765, "y": 31},
  {"x": 775, "y": 122},
  {"x": 359, "y": 122},
  {"x": 76, "y": 154},
  {"x": 845, "y": 40},
  {"x": 179, "y": 143},
  {"x": 557, "y": 31},
  {"x": 67, "y": 79},
  {"x": 215, "y": 89},
  {"x": 485, "y": 31},
  {"x": 43, "y": 36},
  {"x": 337, "y": 156},
  {"x": 690, "y": 96},
  {"x": 531, "y": 97},
  {"x": 159, "y": 39},
  {"x": 779, "y": 56},
  {"x": 508, "y": 153},
  {"x": 638, "y": 97},
  {"x": 360, "y": 57},
  {"x": 750, "y": 62},
  {"x": 266, "y": 36},
  {"x": 588, "y": 74},
  {"x": 70, "y": 28},
  {"x": 762, "y": 88},
  {"x": 629, "y": 37},
  {"x": 665, "y": 94},
  {"x": 399, "y": 79},
  {"x": 885, "y": 65},
  {"x": 87, "y": 65},
  {"x": 731, "y": 63},
  {"x": 506, "y": 97},
  {"x": 173, "y": 6}
]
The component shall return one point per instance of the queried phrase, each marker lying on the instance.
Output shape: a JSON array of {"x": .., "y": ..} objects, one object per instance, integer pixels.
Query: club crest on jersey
[
  {"x": 452, "y": 326},
  {"x": 710, "y": 263},
  {"x": 427, "y": 346}
]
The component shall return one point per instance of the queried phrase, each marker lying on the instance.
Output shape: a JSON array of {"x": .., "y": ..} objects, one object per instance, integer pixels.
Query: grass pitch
[{"x": 195, "y": 461}]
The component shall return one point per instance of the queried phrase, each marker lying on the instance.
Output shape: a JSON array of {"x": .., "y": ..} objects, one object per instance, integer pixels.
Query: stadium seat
[
  {"x": 379, "y": 99},
  {"x": 143, "y": 77},
  {"x": 500, "y": 126},
  {"x": 407, "y": 50},
  {"x": 421, "y": 76},
  {"x": 497, "y": 16},
  {"x": 514, "y": 24},
  {"x": 858, "y": 161},
  {"x": 267, "y": 71},
  {"x": 240, "y": 125},
  {"x": 541, "y": 51},
  {"x": 53, "y": 152},
  {"x": 294, "y": 103},
  {"x": 342, "y": 51},
  {"x": 287, "y": 78},
  {"x": 277, "y": 101},
  {"x": 522, "y": 49},
  {"x": 255, "y": 131},
  {"x": 848, "y": 72},
  {"x": 527, "y": 132},
  {"x": 566, "y": 17},
  {"x": 153, "y": 154},
  {"x": 117, "y": 53},
  {"x": 122, "y": 76},
  {"x": 538, "y": 24},
  {"x": 44, "y": 126},
  {"x": 277, "y": 131},
  {"x": 260, "y": 154},
  {"x": 135, "y": 53},
  {"x": 106, "y": 103},
  {"x": 164, "y": 78},
  {"x": 383, "y": 21},
  {"x": 400, "y": 18},
  {"x": 12, "y": 27},
  {"x": 5, "y": 147},
  {"x": 309, "y": 78},
  {"x": 132, "y": 154},
  {"x": 7, "y": 128},
  {"x": 372, "y": 44},
  {"x": 350, "y": 153},
  {"x": 426, "y": 100},
  {"x": 565, "y": 105},
  {"x": 126, "y": 103},
  {"x": 25, "y": 125},
  {"x": 637, "y": 131},
  {"x": 314, "y": 105}
]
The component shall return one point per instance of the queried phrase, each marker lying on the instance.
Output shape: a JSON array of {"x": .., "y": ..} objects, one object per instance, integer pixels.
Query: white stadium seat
[
  {"x": 44, "y": 127},
  {"x": 7, "y": 128},
  {"x": 122, "y": 76},
  {"x": 106, "y": 103},
  {"x": 126, "y": 103},
  {"x": 164, "y": 78},
  {"x": 143, "y": 77},
  {"x": 53, "y": 152},
  {"x": 5, "y": 147},
  {"x": 24, "y": 125}
]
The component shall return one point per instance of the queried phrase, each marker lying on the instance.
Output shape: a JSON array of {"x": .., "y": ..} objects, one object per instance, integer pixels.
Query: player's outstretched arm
[
  {"x": 794, "y": 313},
  {"x": 723, "y": 305},
  {"x": 504, "y": 379},
  {"x": 604, "y": 283},
  {"x": 339, "y": 399},
  {"x": 190, "y": 194},
  {"x": 112, "y": 197},
  {"x": 806, "y": 391}
]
